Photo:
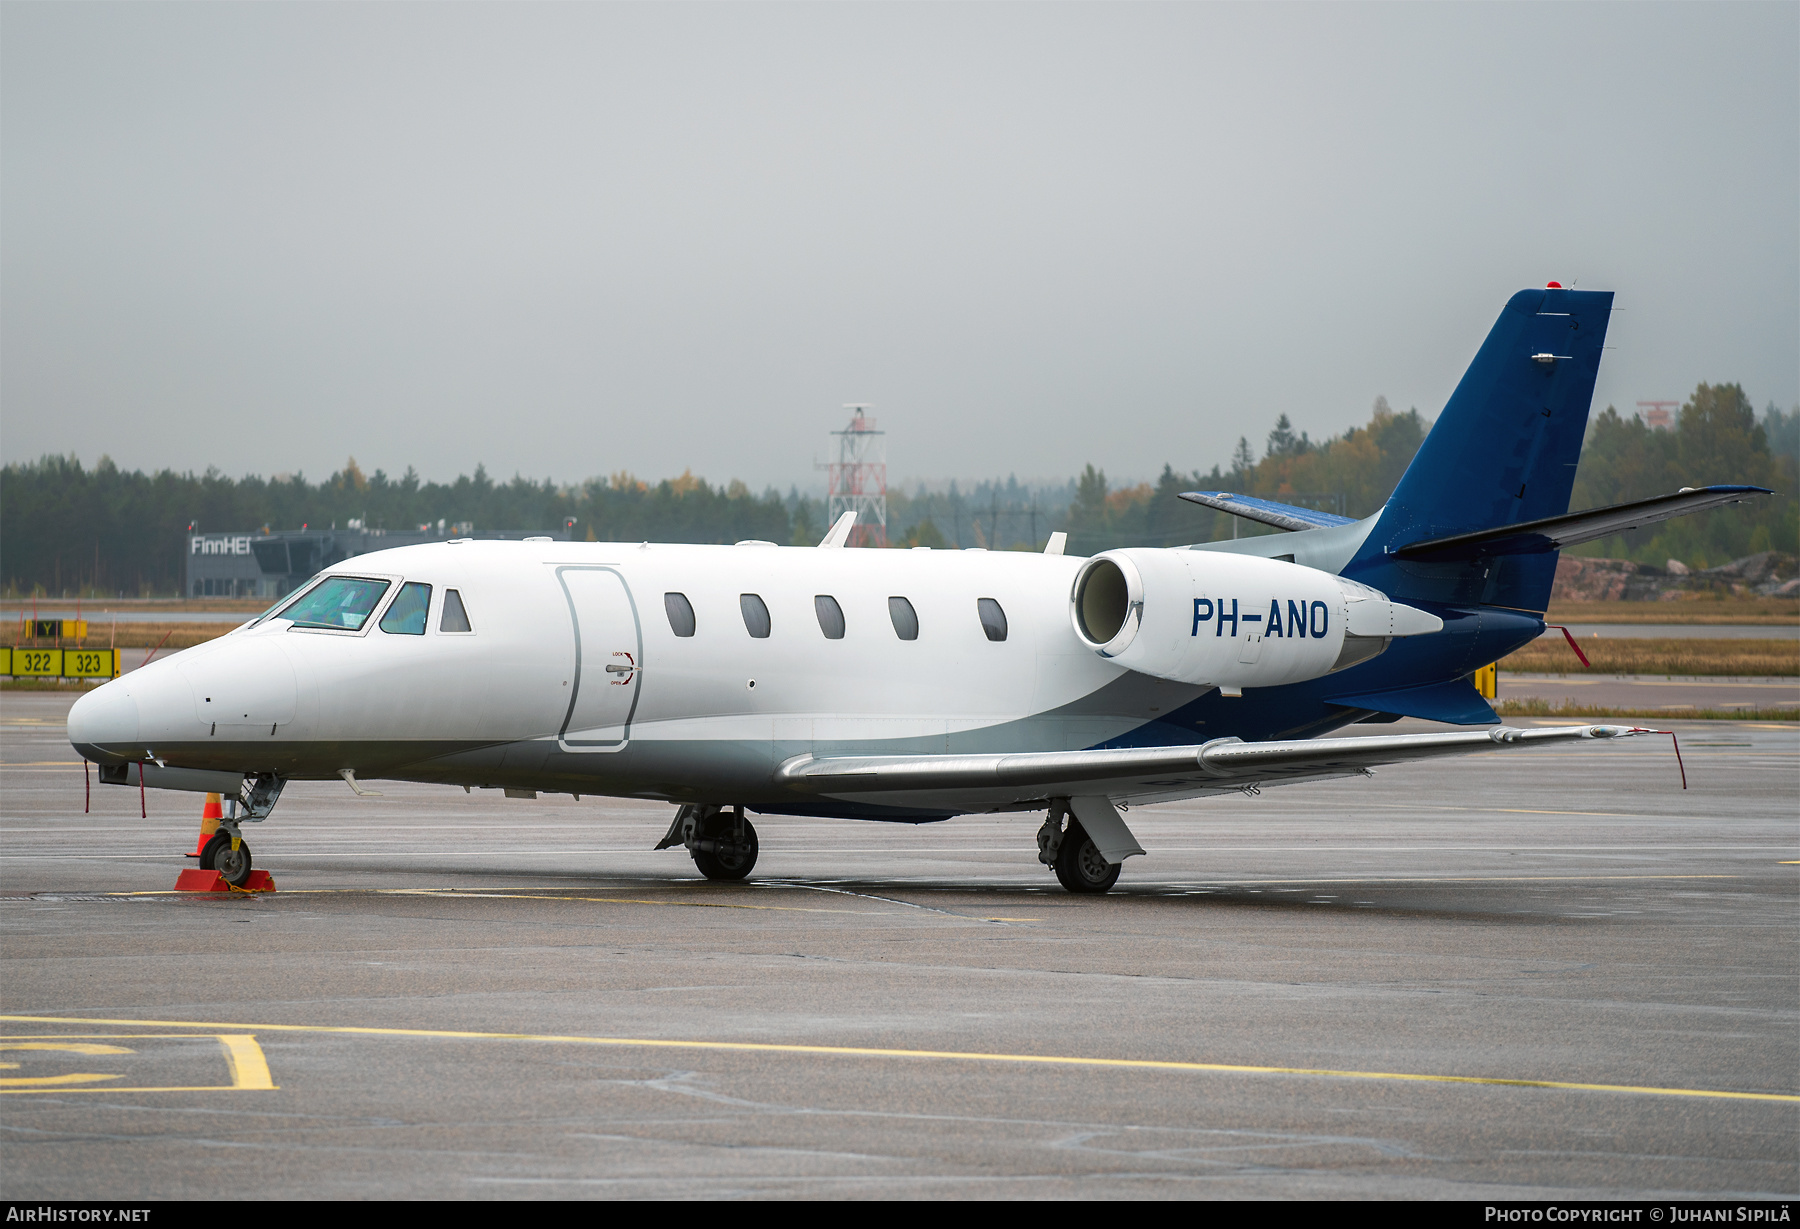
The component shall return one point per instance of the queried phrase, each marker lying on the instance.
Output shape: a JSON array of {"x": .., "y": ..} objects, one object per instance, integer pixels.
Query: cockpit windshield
[{"x": 342, "y": 603}]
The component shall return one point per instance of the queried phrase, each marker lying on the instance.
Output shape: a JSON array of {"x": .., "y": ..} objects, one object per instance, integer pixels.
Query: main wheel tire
[
  {"x": 233, "y": 864},
  {"x": 1079, "y": 866},
  {"x": 734, "y": 862}
]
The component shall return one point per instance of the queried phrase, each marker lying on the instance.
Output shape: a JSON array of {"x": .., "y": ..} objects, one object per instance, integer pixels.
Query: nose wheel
[{"x": 218, "y": 855}]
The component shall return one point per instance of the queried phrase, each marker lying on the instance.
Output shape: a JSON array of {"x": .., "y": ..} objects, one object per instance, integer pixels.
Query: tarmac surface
[{"x": 1546, "y": 973}]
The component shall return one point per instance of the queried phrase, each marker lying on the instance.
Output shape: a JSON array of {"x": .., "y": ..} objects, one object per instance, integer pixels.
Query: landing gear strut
[
  {"x": 1072, "y": 854},
  {"x": 722, "y": 843}
]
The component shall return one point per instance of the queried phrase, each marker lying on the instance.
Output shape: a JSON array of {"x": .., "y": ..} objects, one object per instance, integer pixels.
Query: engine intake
[{"x": 1234, "y": 621}]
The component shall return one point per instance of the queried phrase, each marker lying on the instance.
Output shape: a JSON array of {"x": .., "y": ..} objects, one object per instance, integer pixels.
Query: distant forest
[{"x": 66, "y": 529}]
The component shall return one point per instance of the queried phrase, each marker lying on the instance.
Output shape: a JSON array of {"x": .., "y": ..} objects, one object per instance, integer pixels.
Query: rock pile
[{"x": 1765, "y": 574}]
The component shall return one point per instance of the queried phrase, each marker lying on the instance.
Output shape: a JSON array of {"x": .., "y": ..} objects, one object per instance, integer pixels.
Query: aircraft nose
[{"x": 106, "y": 716}]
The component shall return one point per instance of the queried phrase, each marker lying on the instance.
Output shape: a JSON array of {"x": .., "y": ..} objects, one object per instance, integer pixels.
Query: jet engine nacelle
[{"x": 1234, "y": 621}]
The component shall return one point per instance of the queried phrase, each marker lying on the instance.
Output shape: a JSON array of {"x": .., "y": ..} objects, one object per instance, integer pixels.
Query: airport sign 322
[{"x": 58, "y": 663}]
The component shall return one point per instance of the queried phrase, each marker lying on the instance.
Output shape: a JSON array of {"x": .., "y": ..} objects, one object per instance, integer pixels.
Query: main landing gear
[
  {"x": 722, "y": 843},
  {"x": 1072, "y": 854}
]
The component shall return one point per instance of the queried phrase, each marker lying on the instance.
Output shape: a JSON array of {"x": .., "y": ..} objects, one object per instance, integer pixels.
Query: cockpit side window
[
  {"x": 454, "y": 618},
  {"x": 406, "y": 614},
  {"x": 341, "y": 603}
]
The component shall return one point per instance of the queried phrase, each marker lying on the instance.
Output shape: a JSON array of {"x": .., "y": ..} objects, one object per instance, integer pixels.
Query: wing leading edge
[{"x": 1145, "y": 774}]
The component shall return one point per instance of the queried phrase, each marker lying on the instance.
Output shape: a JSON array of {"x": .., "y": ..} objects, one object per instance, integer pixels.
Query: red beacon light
[{"x": 1553, "y": 286}]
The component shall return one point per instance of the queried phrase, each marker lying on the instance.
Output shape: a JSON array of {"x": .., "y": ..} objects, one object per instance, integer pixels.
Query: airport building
[{"x": 271, "y": 563}]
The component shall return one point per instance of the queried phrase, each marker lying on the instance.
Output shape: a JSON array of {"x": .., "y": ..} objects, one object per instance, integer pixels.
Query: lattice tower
[{"x": 858, "y": 478}]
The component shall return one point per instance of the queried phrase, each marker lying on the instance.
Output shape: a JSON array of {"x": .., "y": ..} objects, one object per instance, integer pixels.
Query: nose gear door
[{"x": 609, "y": 653}]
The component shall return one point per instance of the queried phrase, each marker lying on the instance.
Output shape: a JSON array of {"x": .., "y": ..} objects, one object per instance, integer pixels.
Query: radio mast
[{"x": 858, "y": 479}]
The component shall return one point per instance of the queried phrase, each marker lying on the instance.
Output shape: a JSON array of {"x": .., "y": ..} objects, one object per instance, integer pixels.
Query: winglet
[
  {"x": 1057, "y": 541},
  {"x": 840, "y": 532}
]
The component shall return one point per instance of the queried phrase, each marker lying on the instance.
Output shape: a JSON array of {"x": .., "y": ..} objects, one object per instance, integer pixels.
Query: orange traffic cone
[{"x": 210, "y": 815}]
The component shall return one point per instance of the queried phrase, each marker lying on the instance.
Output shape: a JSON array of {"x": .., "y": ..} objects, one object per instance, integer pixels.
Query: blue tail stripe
[{"x": 1503, "y": 451}]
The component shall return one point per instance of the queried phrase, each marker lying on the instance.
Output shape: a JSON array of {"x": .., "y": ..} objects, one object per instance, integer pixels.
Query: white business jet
[{"x": 913, "y": 685}]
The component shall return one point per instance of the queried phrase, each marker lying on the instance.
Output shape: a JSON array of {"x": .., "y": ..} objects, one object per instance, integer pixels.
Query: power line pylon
[{"x": 858, "y": 479}]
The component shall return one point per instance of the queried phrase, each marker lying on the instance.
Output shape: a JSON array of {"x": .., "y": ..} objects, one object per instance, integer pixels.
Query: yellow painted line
[
  {"x": 971, "y": 1056},
  {"x": 249, "y": 1069},
  {"x": 243, "y": 1058}
]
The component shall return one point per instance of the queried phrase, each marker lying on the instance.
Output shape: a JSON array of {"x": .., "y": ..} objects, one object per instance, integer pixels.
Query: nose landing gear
[
  {"x": 722, "y": 843},
  {"x": 229, "y": 854}
]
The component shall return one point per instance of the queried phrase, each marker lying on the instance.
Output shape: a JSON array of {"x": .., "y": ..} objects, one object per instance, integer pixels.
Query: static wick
[
  {"x": 1570, "y": 637},
  {"x": 1677, "y": 744}
]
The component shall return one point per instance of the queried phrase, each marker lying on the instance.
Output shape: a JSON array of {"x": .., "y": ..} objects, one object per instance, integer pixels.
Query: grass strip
[
  {"x": 130, "y": 635},
  {"x": 1699, "y": 609},
  {"x": 1624, "y": 655}
]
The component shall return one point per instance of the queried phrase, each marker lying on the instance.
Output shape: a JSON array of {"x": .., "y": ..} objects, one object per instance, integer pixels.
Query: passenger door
[{"x": 609, "y": 655}]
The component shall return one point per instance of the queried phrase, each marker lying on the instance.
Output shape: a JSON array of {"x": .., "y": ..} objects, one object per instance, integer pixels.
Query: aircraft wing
[{"x": 1145, "y": 773}]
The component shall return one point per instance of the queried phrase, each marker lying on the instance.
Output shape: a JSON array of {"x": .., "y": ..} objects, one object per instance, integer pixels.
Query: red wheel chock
[{"x": 193, "y": 880}]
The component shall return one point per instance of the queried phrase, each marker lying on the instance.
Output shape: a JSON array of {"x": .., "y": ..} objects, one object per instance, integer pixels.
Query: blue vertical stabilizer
[{"x": 1503, "y": 451}]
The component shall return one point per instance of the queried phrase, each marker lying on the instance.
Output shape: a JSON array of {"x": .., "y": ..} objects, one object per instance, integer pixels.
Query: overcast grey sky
[{"x": 571, "y": 239}]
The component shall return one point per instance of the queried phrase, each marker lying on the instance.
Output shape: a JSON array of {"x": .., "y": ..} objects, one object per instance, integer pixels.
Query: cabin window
[
  {"x": 993, "y": 619},
  {"x": 906, "y": 619},
  {"x": 454, "y": 618},
  {"x": 342, "y": 603},
  {"x": 831, "y": 616},
  {"x": 680, "y": 612},
  {"x": 406, "y": 615},
  {"x": 756, "y": 615}
]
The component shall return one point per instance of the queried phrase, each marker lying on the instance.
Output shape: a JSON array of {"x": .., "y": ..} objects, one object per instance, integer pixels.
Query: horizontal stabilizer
[
  {"x": 1217, "y": 767},
  {"x": 1574, "y": 528},
  {"x": 1456, "y": 702},
  {"x": 1265, "y": 511}
]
